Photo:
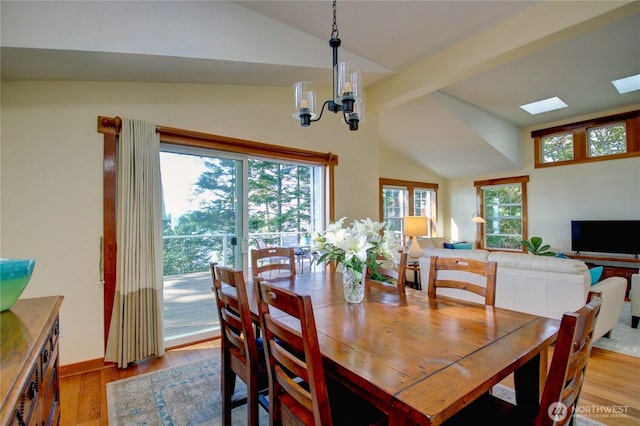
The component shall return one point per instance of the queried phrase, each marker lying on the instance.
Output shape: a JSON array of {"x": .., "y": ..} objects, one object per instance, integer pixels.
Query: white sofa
[{"x": 539, "y": 285}]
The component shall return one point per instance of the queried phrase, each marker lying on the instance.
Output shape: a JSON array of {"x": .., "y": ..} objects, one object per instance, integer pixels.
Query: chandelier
[{"x": 347, "y": 90}]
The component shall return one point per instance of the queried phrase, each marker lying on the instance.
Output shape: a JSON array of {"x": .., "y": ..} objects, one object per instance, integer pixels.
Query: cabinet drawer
[
  {"x": 28, "y": 400},
  {"x": 51, "y": 394}
]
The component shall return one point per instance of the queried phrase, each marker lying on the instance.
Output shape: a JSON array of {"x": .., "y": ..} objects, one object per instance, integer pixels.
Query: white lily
[
  {"x": 354, "y": 246},
  {"x": 358, "y": 245}
]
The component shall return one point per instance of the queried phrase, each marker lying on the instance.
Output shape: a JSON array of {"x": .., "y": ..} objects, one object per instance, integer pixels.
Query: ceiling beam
[{"x": 538, "y": 27}]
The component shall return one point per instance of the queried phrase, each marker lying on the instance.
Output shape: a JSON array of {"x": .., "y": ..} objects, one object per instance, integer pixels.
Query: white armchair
[{"x": 634, "y": 295}]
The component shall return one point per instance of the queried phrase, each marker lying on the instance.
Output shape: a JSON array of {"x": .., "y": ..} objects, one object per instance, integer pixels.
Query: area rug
[
  {"x": 190, "y": 395},
  {"x": 624, "y": 339},
  {"x": 184, "y": 395}
]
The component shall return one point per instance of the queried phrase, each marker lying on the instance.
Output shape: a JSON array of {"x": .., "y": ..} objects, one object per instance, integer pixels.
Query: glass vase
[{"x": 353, "y": 285}]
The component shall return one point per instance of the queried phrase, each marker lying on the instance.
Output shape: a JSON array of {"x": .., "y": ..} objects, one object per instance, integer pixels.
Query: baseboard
[
  {"x": 100, "y": 364},
  {"x": 84, "y": 367}
]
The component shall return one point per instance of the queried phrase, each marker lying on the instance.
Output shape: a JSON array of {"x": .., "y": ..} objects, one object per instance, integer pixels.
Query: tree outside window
[
  {"x": 503, "y": 206},
  {"x": 557, "y": 148},
  {"x": 607, "y": 140},
  {"x": 400, "y": 198}
]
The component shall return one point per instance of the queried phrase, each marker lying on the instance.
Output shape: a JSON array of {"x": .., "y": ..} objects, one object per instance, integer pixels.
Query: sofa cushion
[
  {"x": 468, "y": 254},
  {"x": 530, "y": 261},
  {"x": 425, "y": 242},
  {"x": 463, "y": 246},
  {"x": 595, "y": 273},
  {"x": 431, "y": 242}
]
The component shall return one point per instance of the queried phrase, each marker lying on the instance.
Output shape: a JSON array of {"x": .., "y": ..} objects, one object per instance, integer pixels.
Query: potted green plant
[{"x": 534, "y": 246}]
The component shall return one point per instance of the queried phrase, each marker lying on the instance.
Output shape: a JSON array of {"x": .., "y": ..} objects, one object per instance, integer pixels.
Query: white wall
[
  {"x": 51, "y": 173},
  {"x": 556, "y": 195},
  {"x": 51, "y": 178}
]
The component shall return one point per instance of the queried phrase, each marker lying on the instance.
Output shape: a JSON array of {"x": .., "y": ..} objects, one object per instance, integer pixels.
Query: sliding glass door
[
  {"x": 203, "y": 223},
  {"x": 216, "y": 207}
]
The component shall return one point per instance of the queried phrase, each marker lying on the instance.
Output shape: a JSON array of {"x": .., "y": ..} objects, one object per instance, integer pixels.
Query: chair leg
[
  {"x": 228, "y": 387},
  {"x": 252, "y": 403},
  {"x": 634, "y": 321}
]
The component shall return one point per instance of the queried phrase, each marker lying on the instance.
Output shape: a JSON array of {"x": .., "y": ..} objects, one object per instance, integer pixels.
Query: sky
[{"x": 179, "y": 174}]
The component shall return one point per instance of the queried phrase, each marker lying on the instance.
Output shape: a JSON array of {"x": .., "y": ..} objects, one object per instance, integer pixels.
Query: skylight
[
  {"x": 627, "y": 84},
  {"x": 544, "y": 105}
]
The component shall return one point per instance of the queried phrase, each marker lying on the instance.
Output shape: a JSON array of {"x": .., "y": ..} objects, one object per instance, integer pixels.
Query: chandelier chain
[{"x": 334, "y": 30}]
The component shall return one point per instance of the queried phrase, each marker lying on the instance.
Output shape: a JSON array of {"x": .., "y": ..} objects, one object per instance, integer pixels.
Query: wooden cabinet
[
  {"x": 615, "y": 271},
  {"x": 609, "y": 270},
  {"x": 30, "y": 386}
]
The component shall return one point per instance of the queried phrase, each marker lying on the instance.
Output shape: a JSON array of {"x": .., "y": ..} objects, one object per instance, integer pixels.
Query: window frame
[
  {"x": 579, "y": 131},
  {"x": 481, "y": 228}
]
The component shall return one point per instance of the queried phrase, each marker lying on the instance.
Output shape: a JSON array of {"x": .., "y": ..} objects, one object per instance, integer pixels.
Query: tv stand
[{"x": 612, "y": 266}]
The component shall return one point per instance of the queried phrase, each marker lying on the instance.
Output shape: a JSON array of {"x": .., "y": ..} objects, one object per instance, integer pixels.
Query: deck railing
[
  {"x": 189, "y": 304},
  {"x": 186, "y": 254}
]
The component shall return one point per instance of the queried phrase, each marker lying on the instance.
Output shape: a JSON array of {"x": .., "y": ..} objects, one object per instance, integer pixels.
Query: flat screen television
[{"x": 606, "y": 236}]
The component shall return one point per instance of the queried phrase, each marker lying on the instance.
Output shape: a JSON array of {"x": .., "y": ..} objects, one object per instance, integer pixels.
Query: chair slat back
[
  {"x": 281, "y": 259},
  {"x": 239, "y": 350},
  {"x": 296, "y": 376},
  {"x": 397, "y": 274},
  {"x": 484, "y": 269},
  {"x": 569, "y": 363},
  {"x": 233, "y": 311}
]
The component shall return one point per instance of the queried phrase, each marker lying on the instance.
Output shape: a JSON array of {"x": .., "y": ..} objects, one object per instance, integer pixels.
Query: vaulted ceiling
[{"x": 445, "y": 77}]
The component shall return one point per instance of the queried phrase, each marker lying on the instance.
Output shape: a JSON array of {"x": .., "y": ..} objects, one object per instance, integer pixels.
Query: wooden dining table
[{"x": 421, "y": 360}]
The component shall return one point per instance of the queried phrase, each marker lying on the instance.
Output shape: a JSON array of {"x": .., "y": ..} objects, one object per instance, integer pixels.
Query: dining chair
[
  {"x": 299, "y": 392},
  {"x": 563, "y": 384},
  {"x": 300, "y": 252},
  {"x": 260, "y": 243},
  {"x": 460, "y": 271},
  {"x": 242, "y": 355},
  {"x": 395, "y": 274},
  {"x": 273, "y": 259}
]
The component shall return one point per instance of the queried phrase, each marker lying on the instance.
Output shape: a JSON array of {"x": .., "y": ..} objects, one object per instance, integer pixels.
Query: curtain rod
[{"x": 113, "y": 125}]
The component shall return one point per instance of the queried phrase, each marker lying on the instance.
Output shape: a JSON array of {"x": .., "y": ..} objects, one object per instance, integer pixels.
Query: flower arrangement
[{"x": 364, "y": 243}]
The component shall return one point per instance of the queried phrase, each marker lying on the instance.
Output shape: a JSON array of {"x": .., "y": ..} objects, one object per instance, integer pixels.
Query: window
[
  {"x": 399, "y": 198},
  {"x": 605, "y": 138},
  {"x": 503, "y": 203},
  {"x": 557, "y": 148}
]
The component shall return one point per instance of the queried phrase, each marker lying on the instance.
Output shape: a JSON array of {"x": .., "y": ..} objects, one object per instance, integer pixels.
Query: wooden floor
[{"x": 611, "y": 384}]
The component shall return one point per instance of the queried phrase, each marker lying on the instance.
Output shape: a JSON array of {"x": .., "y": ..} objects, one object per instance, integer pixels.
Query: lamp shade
[
  {"x": 415, "y": 226},
  {"x": 304, "y": 100},
  {"x": 476, "y": 218},
  {"x": 349, "y": 85}
]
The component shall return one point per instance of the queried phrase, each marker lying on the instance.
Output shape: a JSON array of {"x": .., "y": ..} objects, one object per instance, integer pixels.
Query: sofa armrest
[{"x": 613, "y": 290}]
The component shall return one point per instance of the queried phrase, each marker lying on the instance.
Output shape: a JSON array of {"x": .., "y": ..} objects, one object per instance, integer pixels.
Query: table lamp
[
  {"x": 415, "y": 226},
  {"x": 476, "y": 218}
]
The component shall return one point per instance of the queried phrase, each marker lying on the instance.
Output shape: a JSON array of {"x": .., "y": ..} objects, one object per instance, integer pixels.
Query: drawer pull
[{"x": 19, "y": 418}]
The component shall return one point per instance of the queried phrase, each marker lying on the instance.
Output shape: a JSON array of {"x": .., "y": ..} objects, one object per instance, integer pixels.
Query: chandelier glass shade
[{"x": 347, "y": 90}]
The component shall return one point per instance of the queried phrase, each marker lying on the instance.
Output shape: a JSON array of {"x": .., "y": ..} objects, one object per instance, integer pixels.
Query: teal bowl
[{"x": 14, "y": 276}]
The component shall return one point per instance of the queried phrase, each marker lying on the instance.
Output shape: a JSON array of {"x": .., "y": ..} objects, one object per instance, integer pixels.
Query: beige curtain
[{"x": 136, "y": 329}]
